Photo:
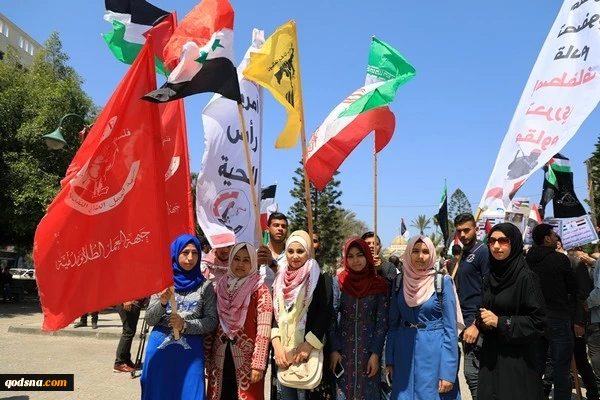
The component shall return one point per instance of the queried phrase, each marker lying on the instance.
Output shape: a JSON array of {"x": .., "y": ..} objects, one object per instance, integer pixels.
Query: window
[
  {"x": 4, "y": 29},
  {"x": 30, "y": 49},
  {"x": 21, "y": 42}
]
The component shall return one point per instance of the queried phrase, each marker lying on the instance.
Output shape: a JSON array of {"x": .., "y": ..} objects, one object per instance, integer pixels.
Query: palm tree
[{"x": 421, "y": 223}]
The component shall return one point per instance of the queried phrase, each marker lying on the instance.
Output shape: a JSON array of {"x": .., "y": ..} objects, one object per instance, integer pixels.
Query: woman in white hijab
[{"x": 301, "y": 312}]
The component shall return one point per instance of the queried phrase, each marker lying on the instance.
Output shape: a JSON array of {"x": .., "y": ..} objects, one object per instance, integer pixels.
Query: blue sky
[{"x": 472, "y": 58}]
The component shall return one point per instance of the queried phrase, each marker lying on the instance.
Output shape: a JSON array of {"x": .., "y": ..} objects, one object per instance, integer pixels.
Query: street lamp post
[{"x": 56, "y": 140}]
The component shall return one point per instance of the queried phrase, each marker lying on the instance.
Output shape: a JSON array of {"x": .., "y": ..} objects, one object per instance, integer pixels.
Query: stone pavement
[{"x": 86, "y": 353}]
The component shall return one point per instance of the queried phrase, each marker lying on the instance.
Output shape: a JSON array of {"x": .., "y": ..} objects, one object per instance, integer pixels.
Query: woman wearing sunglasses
[{"x": 511, "y": 320}]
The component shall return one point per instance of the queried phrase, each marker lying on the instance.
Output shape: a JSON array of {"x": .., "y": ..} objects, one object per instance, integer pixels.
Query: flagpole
[
  {"x": 174, "y": 311},
  {"x": 250, "y": 175},
  {"x": 375, "y": 188},
  {"x": 304, "y": 151}
]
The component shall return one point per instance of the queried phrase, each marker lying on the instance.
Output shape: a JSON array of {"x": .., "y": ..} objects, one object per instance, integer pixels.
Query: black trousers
[
  {"x": 129, "y": 320},
  {"x": 585, "y": 369}
]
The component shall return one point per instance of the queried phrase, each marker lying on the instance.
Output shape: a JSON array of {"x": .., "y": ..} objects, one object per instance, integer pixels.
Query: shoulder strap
[
  {"x": 439, "y": 288},
  {"x": 398, "y": 281}
]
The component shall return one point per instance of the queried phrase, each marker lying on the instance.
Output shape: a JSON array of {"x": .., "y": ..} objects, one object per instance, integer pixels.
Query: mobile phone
[
  {"x": 265, "y": 238},
  {"x": 338, "y": 371},
  {"x": 388, "y": 379}
]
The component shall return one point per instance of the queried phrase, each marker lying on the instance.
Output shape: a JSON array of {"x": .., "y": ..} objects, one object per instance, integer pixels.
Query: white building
[{"x": 13, "y": 37}]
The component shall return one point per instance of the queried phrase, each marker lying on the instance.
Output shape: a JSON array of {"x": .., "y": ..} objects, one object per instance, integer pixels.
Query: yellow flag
[{"x": 276, "y": 68}]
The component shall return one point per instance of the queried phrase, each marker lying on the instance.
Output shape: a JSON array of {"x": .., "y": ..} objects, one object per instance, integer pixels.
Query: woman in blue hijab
[{"x": 174, "y": 369}]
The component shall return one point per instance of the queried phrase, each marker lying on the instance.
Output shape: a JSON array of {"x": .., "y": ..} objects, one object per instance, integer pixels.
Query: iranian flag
[
  {"x": 131, "y": 20},
  {"x": 363, "y": 111},
  {"x": 200, "y": 54}
]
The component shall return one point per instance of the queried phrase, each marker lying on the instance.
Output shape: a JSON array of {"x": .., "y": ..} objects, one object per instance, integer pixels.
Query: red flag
[
  {"x": 103, "y": 240},
  {"x": 177, "y": 170}
]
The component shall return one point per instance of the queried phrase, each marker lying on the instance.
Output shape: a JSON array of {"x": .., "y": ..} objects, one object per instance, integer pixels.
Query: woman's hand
[
  {"x": 256, "y": 375},
  {"x": 372, "y": 365},
  {"x": 279, "y": 354},
  {"x": 165, "y": 296},
  {"x": 388, "y": 371},
  {"x": 445, "y": 386},
  {"x": 302, "y": 353},
  {"x": 488, "y": 318},
  {"x": 334, "y": 358},
  {"x": 176, "y": 322}
]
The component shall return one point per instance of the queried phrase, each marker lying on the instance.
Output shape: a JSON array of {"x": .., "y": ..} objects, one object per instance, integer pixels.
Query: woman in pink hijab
[{"x": 422, "y": 342}]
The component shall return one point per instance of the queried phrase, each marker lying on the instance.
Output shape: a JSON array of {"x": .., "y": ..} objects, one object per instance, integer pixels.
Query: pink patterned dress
[{"x": 249, "y": 348}]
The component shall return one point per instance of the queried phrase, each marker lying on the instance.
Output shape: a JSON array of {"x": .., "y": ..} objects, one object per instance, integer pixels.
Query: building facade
[{"x": 14, "y": 38}]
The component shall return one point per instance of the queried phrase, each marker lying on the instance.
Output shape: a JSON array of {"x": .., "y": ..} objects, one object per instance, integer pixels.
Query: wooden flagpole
[
  {"x": 250, "y": 175},
  {"x": 375, "y": 191},
  {"x": 176, "y": 333},
  {"x": 309, "y": 216}
]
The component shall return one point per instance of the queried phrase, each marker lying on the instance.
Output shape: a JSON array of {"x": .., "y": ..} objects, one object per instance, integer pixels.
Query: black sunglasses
[{"x": 502, "y": 241}]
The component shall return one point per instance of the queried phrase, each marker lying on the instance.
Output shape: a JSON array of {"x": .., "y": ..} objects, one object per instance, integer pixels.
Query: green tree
[
  {"x": 459, "y": 203},
  {"x": 351, "y": 226},
  {"x": 326, "y": 213},
  {"x": 594, "y": 182},
  {"x": 32, "y": 101},
  {"x": 422, "y": 223}
]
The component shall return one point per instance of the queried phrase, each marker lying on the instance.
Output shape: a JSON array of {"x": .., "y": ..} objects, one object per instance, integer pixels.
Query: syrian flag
[
  {"x": 200, "y": 54},
  {"x": 131, "y": 20},
  {"x": 363, "y": 111},
  {"x": 267, "y": 204}
]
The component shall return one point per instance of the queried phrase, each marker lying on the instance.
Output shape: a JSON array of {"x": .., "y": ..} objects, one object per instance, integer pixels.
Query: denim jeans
[
  {"x": 129, "y": 320},
  {"x": 559, "y": 338},
  {"x": 288, "y": 393},
  {"x": 471, "y": 366},
  {"x": 585, "y": 369}
]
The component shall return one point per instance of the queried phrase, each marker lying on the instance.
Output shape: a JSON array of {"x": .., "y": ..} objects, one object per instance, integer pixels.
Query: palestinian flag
[
  {"x": 131, "y": 19},
  {"x": 442, "y": 215},
  {"x": 267, "y": 204},
  {"x": 558, "y": 187},
  {"x": 363, "y": 111},
  {"x": 404, "y": 231},
  {"x": 200, "y": 54}
]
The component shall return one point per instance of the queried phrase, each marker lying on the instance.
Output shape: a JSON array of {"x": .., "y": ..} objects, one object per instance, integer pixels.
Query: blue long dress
[{"x": 422, "y": 356}]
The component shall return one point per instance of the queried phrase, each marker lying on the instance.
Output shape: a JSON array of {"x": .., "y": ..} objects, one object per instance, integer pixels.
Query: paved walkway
[{"x": 86, "y": 353}]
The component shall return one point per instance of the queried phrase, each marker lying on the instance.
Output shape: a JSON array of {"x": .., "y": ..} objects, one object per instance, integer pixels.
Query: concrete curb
[{"x": 98, "y": 334}]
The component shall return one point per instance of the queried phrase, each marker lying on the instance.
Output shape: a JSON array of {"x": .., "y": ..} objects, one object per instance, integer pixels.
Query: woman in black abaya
[{"x": 511, "y": 321}]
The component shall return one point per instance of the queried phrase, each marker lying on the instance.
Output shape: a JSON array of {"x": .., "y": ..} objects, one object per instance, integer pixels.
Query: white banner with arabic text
[
  {"x": 224, "y": 205},
  {"x": 562, "y": 90}
]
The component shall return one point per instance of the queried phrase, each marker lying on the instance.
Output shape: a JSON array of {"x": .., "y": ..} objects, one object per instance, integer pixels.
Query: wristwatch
[{"x": 273, "y": 264}]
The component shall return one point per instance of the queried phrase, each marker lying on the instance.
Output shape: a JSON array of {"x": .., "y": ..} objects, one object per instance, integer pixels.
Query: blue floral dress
[{"x": 358, "y": 331}]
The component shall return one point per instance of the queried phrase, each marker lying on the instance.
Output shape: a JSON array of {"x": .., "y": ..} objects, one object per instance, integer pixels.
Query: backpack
[{"x": 438, "y": 283}]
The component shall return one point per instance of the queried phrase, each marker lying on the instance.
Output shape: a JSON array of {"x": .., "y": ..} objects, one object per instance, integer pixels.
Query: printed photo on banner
[{"x": 516, "y": 218}]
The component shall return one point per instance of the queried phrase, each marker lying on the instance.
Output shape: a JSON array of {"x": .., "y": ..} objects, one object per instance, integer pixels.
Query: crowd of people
[{"x": 372, "y": 329}]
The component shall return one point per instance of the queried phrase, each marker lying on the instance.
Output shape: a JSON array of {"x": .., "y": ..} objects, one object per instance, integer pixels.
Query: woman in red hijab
[{"x": 357, "y": 339}]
